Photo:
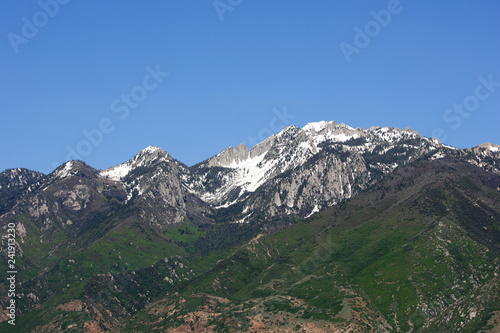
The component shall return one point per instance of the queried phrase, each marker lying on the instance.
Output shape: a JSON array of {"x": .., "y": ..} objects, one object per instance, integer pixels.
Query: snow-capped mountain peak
[
  {"x": 71, "y": 168},
  {"x": 296, "y": 171},
  {"x": 317, "y": 126},
  {"x": 143, "y": 158},
  {"x": 323, "y": 161},
  {"x": 244, "y": 171},
  {"x": 490, "y": 146},
  {"x": 151, "y": 150},
  {"x": 65, "y": 170}
]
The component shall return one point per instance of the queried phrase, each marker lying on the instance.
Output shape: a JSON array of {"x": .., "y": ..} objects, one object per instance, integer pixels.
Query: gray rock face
[
  {"x": 302, "y": 170},
  {"x": 315, "y": 186},
  {"x": 75, "y": 199},
  {"x": 230, "y": 156},
  {"x": 153, "y": 180},
  {"x": 486, "y": 156}
]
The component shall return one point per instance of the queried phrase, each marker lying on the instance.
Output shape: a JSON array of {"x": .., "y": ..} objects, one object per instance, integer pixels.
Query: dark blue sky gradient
[{"x": 228, "y": 79}]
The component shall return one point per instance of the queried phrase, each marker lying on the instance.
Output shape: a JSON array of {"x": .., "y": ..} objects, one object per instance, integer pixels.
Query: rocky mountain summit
[
  {"x": 303, "y": 170},
  {"x": 298, "y": 171}
]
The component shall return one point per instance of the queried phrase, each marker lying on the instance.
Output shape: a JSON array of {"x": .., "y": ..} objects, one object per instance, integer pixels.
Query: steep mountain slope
[
  {"x": 14, "y": 183},
  {"x": 65, "y": 204},
  {"x": 81, "y": 222},
  {"x": 152, "y": 177},
  {"x": 94, "y": 247},
  {"x": 416, "y": 252}
]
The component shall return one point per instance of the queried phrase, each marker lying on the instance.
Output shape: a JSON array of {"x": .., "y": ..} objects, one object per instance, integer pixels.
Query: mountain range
[{"x": 325, "y": 228}]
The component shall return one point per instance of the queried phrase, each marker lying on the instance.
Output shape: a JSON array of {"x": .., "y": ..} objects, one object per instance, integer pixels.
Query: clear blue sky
[{"x": 232, "y": 66}]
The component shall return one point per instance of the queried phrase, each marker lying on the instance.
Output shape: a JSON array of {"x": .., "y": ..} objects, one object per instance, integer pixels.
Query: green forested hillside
[{"x": 417, "y": 252}]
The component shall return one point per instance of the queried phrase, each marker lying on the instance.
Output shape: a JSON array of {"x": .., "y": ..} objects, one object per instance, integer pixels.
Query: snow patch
[
  {"x": 66, "y": 171},
  {"x": 226, "y": 205},
  {"x": 251, "y": 173},
  {"x": 243, "y": 219},
  {"x": 316, "y": 127},
  {"x": 150, "y": 149},
  {"x": 122, "y": 170},
  {"x": 118, "y": 172},
  {"x": 305, "y": 145},
  {"x": 315, "y": 210},
  {"x": 437, "y": 155},
  {"x": 450, "y": 147}
]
